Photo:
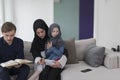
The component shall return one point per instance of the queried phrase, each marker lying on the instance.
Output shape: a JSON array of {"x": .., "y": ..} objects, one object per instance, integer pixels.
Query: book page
[
  {"x": 23, "y": 61},
  {"x": 9, "y": 63},
  {"x": 15, "y": 62}
]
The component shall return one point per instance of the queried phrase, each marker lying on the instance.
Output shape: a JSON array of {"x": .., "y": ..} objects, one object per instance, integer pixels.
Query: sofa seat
[{"x": 73, "y": 72}]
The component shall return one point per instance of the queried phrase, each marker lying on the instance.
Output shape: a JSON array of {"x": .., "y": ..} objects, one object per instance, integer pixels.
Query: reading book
[{"x": 15, "y": 62}]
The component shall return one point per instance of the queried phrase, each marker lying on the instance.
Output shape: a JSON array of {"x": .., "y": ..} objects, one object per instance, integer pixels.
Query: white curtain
[
  {"x": 6, "y": 11},
  {"x": 2, "y": 17}
]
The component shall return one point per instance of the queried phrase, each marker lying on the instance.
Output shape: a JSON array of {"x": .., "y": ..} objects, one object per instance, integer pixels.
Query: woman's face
[
  {"x": 41, "y": 33},
  {"x": 55, "y": 32}
]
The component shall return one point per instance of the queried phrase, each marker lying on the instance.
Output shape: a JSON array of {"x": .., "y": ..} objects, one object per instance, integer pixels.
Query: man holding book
[{"x": 11, "y": 48}]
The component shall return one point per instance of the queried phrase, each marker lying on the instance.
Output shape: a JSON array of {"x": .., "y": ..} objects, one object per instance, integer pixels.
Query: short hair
[{"x": 8, "y": 26}]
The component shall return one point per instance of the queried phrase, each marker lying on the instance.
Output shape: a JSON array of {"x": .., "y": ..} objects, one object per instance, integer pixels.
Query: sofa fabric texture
[{"x": 73, "y": 72}]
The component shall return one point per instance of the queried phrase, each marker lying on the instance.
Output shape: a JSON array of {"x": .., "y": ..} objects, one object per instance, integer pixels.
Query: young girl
[
  {"x": 54, "y": 51},
  {"x": 55, "y": 46}
]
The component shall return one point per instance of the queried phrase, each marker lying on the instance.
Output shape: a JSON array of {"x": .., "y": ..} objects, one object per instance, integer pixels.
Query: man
[{"x": 11, "y": 48}]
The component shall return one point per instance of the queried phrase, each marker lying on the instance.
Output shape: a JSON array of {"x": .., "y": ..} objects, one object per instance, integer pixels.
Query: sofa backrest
[
  {"x": 27, "y": 46},
  {"x": 81, "y": 46}
]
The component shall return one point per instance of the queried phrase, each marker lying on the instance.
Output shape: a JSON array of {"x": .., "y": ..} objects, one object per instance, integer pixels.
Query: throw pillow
[
  {"x": 70, "y": 46},
  {"x": 94, "y": 56},
  {"x": 81, "y": 46}
]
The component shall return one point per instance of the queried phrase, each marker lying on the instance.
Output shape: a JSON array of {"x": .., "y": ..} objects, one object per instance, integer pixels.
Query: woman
[{"x": 38, "y": 46}]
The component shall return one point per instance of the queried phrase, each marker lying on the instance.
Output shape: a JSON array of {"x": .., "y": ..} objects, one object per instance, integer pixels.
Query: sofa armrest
[{"x": 111, "y": 59}]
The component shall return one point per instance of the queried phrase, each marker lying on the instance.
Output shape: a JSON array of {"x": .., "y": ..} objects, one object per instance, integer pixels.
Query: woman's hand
[
  {"x": 41, "y": 61},
  {"x": 56, "y": 65}
]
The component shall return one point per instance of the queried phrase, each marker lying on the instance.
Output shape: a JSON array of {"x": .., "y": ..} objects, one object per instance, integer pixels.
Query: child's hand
[{"x": 49, "y": 45}]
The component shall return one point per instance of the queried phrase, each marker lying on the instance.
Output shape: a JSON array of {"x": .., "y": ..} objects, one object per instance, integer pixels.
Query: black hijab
[{"x": 38, "y": 43}]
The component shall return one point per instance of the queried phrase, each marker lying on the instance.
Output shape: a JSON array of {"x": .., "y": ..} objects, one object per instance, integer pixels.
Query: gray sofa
[{"x": 109, "y": 70}]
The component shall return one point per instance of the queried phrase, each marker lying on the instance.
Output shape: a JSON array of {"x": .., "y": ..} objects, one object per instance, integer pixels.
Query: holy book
[{"x": 15, "y": 62}]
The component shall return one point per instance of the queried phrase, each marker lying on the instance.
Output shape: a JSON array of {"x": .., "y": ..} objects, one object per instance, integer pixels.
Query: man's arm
[{"x": 20, "y": 50}]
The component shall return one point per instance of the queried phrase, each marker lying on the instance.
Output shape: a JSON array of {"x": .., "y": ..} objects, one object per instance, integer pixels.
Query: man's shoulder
[
  {"x": 0, "y": 38},
  {"x": 18, "y": 39},
  {"x": 1, "y": 41}
]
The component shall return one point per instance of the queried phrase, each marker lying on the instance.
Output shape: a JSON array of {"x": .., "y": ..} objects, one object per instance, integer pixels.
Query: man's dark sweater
[{"x": 11, "y": 52}]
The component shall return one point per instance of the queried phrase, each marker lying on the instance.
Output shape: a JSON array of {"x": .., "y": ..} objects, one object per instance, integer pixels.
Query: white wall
[
  {"x": 24, "y": 12},
  {"x": 27, "y": 11},
  {"x": 107, "y": 22}
]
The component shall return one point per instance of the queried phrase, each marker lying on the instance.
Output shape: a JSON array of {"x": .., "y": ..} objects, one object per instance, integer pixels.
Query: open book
[{"x": 15, "y": 62}]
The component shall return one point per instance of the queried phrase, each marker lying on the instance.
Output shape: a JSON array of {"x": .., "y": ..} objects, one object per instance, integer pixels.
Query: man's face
[{"x": 9, "y": 36}]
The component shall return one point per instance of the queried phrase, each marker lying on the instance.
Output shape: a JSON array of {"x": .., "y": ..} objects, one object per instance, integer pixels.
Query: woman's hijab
[{"x": 38, "y": 43}]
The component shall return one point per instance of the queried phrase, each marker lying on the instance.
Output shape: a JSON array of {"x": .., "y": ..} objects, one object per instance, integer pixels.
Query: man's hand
[
  {"x": 17, "y": 66},
  {"x": 9, "y": 67}
]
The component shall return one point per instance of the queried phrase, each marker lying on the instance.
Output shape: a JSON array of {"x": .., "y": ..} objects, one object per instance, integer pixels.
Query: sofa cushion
[
  {"x": 70, "y": 46},
  {"x": 81, "y": 46},
  {"x": 94, "y": 55},
  {"x": 73, "y": 72},
  {"x": 27, "y": 46}
]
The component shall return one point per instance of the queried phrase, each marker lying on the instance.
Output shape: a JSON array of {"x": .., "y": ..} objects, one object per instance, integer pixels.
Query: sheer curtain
[
  {"x": 24, "y": 12},
  {"x": 6, "y": 11},
  {"x": 2, "y": 16}
]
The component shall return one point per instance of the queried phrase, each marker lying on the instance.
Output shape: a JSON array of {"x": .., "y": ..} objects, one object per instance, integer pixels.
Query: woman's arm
[
  {"x": 63, "y": 61},
  {"x": 37, "y": 59},
  {"x": 60, "y": 63}
]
